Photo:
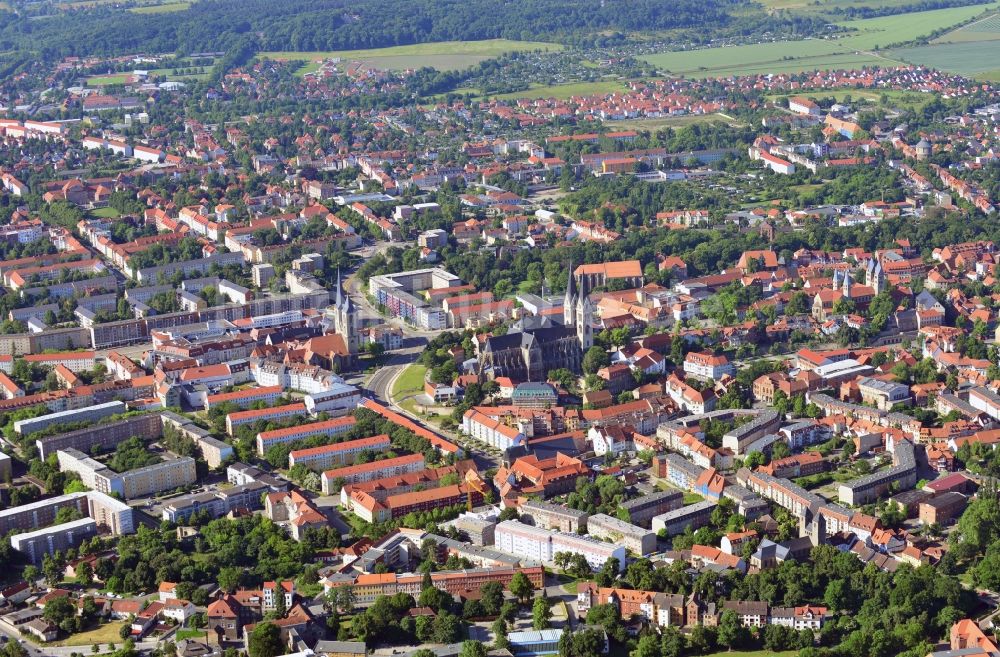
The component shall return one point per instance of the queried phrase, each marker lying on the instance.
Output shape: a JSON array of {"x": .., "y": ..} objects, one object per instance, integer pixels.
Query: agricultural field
[
  {"x": 985, "y": 29},
  {"x": 829, "y": 6},
  {"x": 971, "y": 58},
  {"x": 161, "y": 9},
  {"x": 447, "y": 55},
  {"x": 853, "y": 50}
]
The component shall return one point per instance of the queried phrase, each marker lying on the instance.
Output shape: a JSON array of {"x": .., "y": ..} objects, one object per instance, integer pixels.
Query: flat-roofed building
[
  {"x": 543, "y": 545},
  {"x": 88, "y": 414},
  {"x": 41, "y": 513},
  {"x": 57, "y": 538},
  {"x": 635, "y": 539},
  {"x": 553, "y": 516},
  {"x": 643, "y": 509},
  {"x": 693, "y": 515}
]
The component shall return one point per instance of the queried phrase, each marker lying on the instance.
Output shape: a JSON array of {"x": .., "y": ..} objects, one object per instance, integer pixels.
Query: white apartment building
[{"x": 542, "y": 545}]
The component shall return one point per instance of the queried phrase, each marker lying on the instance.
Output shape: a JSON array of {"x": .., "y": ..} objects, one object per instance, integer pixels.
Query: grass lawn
[
  {"x": 103, "y": 80},
  {"x": 106, "y": 213},
  {"x": 410, "y": 382},
  {"x": 161, "y": 9},
  {"x": 107, "y": 633},
  {"x": 442, "y": 55},
  {"x": 190, "y": 634},
  {"x": 692, "y": 498}
]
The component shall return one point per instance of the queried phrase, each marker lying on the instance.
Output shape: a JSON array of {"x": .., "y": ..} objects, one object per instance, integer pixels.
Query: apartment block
[
  {"x": 245, "y": 496},
  {"x": 328, "y": 456},
  {"x": 246, "y": 398},
  {"x": 273, "y": 414},
  {"x": 156, "y": 478},
  {"x": 104, "y": 436},
  {"x": 693, "y": 516},
  {"x": 328, "y": 429},
  {"x": 368, "y": 587},
  {"x": 41, "y": 513},
  {"x": 633, "y": 538},
  {"x": 643, "y": 509},
  {"x": 35, "y": 545},
  {"x": 543, "y": 545},
  {"x": 871, "y": 487},
  {"x": 332, "y": 480},
  {"x": 89, "y": 414},
  {"x": 553, "y": 516}
]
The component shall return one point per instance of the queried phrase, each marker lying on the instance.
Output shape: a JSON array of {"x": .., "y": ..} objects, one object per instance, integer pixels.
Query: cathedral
[
  {"x": 345, "y": 318},
  {"x": 536, "y": 345}
]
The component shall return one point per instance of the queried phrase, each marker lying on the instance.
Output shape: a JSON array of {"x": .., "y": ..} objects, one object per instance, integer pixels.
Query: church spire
[
  {"x": 569, "y": 301},
  {"x": 339, "y": 288}
]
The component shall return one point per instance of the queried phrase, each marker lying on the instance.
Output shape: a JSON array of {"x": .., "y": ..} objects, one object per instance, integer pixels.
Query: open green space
[
  {"x": 107, "y": 633},
  {"x": 811, "y": 6},
  {"x": 444, "y": 55},
  {"x": 161, "y": 9},
  {"x": 984, "y": 29},
  {"x": 410, "y": 382},
  {"x": 853, "y": 50},
  {"x": 898, "y": 98},
  {"x": 114, "y": 78},
  {"x": 106, "y": 213},
  {"x": 968, "y": 58},
  {"x": 190, "y": 634}
]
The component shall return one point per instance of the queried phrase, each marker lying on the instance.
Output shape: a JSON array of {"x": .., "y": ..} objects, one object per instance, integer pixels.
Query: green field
[
  {"x": 445, "y": 55},
  {"x": 161, "y": 9},
  {"x": 105, "y": 634},
  {"x": 106, "y": 213},
  {"x": 410, "y": 382},
  {"x": 813, "y": 7},
  {"x": 986, "y": 29},
  {"x": 971, "y": 58},
  {"x": 901, "y": 99},
  {"x": 104, "y": 80},
  {"x": 191, "y": 634},
  {"x": 853, "y": 50}
]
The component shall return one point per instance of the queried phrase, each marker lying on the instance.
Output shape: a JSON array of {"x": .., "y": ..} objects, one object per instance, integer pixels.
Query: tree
[
  {"x": 732, "y": 634},
  {"x": 595, "y": 359},
  {"x": 265, "y": 641},
  {"x": 473, "y": 649},
  {"x": 521, "y": 587},
  {"x": 491, "y": 596},
  {"x": 541, "y": 613},
  {"x": 345, "y": 599},
  {"x": 280, "y": 608},
  {"x": 84, "y": 573}
]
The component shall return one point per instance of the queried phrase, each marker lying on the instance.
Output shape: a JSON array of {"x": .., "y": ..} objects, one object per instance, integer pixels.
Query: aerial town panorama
[{"x": 500, "y": 328}]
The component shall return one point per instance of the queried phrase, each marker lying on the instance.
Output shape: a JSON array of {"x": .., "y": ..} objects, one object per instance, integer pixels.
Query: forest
[{"x": 229, "y": 25}]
